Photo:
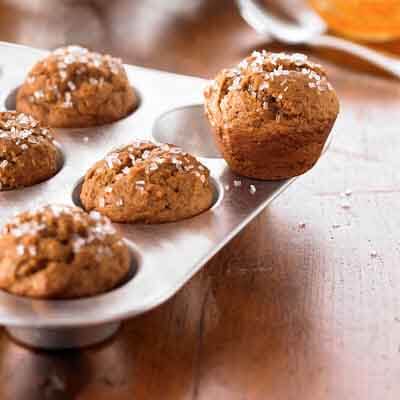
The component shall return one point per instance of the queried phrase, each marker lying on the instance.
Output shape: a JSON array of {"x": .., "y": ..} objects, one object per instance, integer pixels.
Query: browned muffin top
[
  {"x": 270, "y": 79},
  {"x": 61, "y": 252},
  {"x": 28, "y": 152},
  {"x": 72, "y": 69},
  {"x": 19, "y": 131},
  {"x": 147, "y": 157},
  {"x": 69, "y": 226},
  {"x": 149, "y": 182},
  {"x": 142, "y": 159}
]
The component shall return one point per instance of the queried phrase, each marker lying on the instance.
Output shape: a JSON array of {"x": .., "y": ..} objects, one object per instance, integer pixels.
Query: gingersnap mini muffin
[
  {"x": 61, "y": 252},
  {"x": 28, "y": 153},
  {"x": 149, "y": 183},
  {"x": 272, "y": 114},
  {"x": 76, "y": 88}
]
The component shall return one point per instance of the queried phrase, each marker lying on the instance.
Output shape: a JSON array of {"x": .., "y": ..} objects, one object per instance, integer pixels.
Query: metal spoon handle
[{"x": 389, "y": 64}]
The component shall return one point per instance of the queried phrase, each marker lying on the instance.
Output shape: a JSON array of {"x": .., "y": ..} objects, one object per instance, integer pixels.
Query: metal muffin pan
[{"x": 166, "y": 256}]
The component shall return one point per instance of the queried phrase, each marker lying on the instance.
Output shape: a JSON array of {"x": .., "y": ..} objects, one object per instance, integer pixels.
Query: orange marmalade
[{"x": 371, "y": 20}]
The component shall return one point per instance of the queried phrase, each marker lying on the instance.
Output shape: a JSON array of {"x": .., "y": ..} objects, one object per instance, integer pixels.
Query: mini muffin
[
  {"x": 61, "y": 252},
  {"x": 28, "y": 153},
  {"x": 272, "y": 114},
  {"x": 76, "y": 88},
  {"x": 149, "y": 183}
]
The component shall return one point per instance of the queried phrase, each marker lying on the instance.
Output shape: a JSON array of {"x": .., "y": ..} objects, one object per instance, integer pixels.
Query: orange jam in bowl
[{"x": 370, "y": 20}]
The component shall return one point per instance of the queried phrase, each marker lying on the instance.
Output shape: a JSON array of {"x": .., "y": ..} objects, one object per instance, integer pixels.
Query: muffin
[
  {"x": 272, "y": 114},
  {"x": 61, "y": 252},
  {"x": 28, "y": 153},
  {"x": 149, "y": 183},
  {"x": 76, "y": 88}
]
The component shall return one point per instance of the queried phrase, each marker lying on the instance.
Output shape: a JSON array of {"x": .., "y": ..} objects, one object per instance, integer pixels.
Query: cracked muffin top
[
  {"x": 278, "y": 86},
  {"x": 61, "y": 252},
  {"x": 147, "y": 182},
  {"x": 74, "y": 87},
  {"x": 28, "y": 153}
]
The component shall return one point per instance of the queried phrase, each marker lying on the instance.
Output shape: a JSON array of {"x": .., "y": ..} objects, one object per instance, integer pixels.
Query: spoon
[{"x": 294, "y": 22}]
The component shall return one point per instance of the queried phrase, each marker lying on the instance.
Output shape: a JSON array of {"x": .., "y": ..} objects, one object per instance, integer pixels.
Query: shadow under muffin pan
[{"x": 167, "y": 255}]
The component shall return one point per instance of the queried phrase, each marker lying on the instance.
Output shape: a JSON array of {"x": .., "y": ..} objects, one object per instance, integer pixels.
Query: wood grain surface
[{"x": 286, "y": 310}]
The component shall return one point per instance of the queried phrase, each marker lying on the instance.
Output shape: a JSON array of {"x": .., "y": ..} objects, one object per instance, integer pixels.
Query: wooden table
[{"x": 282, "y": 312}]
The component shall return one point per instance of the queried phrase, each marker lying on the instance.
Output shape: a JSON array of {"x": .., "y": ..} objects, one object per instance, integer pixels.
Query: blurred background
[
  {"x": 186, "y": 36},
  {"x": 149, "y": 32}
]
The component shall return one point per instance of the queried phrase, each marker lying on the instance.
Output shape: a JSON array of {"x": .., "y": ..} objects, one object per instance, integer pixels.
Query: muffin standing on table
[
  {"x": 272, "y": 114},
  {"x": 61, "y": 252},
  {"x": 28, "y": 153},
  {"x": 147, "y": 182},
  {"x": 73, "y": 87}
]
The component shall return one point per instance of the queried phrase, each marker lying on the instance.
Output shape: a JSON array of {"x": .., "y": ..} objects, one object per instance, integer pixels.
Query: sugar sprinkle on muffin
[
  {"x": 74, "y": 87},
  {"x": 61, "y": 252},
  {"x": 147, "y": 182},
  {"x": 28, "y": 153}
]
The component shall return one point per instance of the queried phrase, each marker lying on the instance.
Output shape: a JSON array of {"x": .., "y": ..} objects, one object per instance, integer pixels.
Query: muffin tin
[{"x": 165, "y": 256}]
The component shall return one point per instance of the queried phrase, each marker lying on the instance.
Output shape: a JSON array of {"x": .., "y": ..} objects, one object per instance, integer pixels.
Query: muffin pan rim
[
  {"x": 168, "y": 112},
  {"x": 77, "y": 303}
]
